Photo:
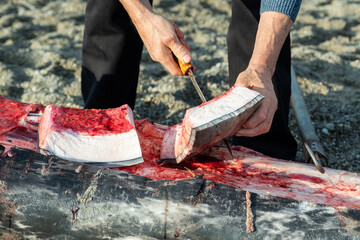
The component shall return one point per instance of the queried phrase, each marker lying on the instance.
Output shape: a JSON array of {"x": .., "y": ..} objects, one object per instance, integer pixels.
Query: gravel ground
[{"x": 40, "y": 62}]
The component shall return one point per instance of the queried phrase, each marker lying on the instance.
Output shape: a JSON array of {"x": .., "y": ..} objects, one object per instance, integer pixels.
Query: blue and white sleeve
[{"x": 288, "y": 7}]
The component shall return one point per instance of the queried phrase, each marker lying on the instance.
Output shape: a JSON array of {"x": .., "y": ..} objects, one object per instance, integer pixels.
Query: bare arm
[
  {"x": 272, "y": 32},
  {"x": 160, "y": 36}
]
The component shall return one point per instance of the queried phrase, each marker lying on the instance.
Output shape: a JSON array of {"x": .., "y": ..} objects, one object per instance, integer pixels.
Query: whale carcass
[{"x": 202, "y": 196}]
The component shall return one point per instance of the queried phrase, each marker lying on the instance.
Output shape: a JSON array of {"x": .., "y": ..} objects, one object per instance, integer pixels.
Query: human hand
[
  {"x": 272, "y": 31},
  {"x": 260, "y": 80},
  {"x": 162, "y": 38}
]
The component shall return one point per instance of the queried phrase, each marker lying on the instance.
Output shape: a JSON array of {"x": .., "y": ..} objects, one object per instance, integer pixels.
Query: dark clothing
[{"x": 111, "y": 57}]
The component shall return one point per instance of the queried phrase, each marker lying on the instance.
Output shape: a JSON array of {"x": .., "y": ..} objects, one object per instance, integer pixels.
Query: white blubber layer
[
  {"x": 223, "y": 107},
  {"x": 109, "y": 149},
  {"x": 209, "y": 124},
  {"x": 115, "y": 149}
]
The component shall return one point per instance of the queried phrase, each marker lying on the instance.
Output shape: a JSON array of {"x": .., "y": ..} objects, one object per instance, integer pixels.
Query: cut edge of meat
[
  {"x": 184, "y": 140},
  {"x": 167, "y": 151},
  {"x": 223, "y": 127},
  {"x": 44, "y": 126}
]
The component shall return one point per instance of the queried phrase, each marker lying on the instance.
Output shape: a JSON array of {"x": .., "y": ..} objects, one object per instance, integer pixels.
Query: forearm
[
  {"x": 138, "y": 10},
  {"x": 273, "y": 29}
]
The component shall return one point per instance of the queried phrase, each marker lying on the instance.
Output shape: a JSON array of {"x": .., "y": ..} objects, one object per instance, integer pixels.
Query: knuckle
[
  {"x": 169, "y": 40},
  {"x": 262, "y": 116},
  {"x": 180, "y": 50},
  {"x": 154, "y": 57},
  {"x": 276, "y": 103},
  {"x": 266, "y": 128},
  {"x": 176, "y": 72},
  {"x": 249, "y": 125},
  {"x": 173, "y": 72},
  {"x": 157, "y": 58}
]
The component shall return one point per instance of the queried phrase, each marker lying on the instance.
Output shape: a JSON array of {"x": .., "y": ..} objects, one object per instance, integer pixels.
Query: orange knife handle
[{"x": 184, "y": 67}]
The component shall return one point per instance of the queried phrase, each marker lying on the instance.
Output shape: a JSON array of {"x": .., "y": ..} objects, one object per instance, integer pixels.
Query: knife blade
[
  {"x": 196, "y": 85},
  {"x": 187, "y": 69}
]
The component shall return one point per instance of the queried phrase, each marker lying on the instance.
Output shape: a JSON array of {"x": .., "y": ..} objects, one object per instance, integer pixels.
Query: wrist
[
  {"x": 262, "y": 69},
  {"x": 143, "y": 16},
  {"x": 264, "y": 59}
]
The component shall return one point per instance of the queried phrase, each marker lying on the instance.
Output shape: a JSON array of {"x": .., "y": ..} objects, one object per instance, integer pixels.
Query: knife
[{"x": 187, "y": 69}]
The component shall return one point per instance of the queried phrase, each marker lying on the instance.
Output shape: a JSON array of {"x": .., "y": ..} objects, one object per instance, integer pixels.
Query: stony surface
[{"x": 40, "y": 62}]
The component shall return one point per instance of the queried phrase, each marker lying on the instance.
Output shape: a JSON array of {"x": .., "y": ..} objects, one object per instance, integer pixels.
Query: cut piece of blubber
[
  {"x": 210, "y": 123},
  {"x": 105, "y": 137}
]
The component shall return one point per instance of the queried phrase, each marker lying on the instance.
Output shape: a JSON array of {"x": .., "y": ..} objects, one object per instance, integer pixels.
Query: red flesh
[
  {"x": 91, "y": 121},
  {"x": 250, "y": 171},
  {"x": 14, "y": 130}
]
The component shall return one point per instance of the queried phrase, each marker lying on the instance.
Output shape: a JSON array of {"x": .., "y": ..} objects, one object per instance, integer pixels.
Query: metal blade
[
  {"x": 196, "y": 85},
  {"x": 315, "y": 158},
  {"x": 228, "y": 147},
  {"x": 203, "y": 99}
]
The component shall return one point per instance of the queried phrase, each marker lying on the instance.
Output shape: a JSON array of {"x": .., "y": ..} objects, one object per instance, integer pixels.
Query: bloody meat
[
  {"x": 249, "y": 171},
  {"x": 99, "y": 136}
]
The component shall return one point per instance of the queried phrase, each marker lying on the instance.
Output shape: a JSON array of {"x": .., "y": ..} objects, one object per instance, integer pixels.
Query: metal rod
[
  {"x": 314, "y": 158},
  {"x": 311, "y": 141}
]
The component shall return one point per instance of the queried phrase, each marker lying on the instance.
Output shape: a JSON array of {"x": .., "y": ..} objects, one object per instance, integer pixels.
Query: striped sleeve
[{"x": 288, "y": 7}]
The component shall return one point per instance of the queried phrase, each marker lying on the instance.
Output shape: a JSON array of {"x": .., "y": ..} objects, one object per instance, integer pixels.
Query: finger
[
  {"x": 179, "y": 49},
  {"x": 193, "y": 68},
  {"x": 173, "y": 68},
  {"x": 181, "y": 36},
  {"x": 171, "y": 65},
  {"x": 178, "y": 32},
  {"x": 262, "y": 128},
  {"x": 187, "y": 46},
  {"x": 257, "y": 118}
]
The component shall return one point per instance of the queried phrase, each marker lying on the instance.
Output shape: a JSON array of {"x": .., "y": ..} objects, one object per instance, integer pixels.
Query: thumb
[{"x": 180, "y": 51}]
